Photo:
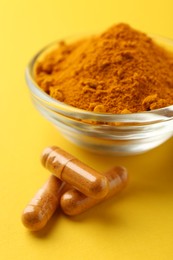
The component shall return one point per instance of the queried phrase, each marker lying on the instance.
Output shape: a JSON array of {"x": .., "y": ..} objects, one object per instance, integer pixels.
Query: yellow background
[{"x": 138, "y": 224}]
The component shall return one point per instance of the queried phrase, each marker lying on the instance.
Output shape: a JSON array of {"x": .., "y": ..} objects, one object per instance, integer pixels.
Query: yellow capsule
[
  {"x": 74, "y": 172},
  {"x": 40, "y": 209},
  {"x": 73, "y": 202}
]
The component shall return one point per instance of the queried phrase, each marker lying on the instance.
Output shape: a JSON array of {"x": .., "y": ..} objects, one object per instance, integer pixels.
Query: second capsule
[{"x": 74, "y": 172}]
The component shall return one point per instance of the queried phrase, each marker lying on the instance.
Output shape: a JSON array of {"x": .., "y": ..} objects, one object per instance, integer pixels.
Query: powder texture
[{"x": 119, "y": 71}]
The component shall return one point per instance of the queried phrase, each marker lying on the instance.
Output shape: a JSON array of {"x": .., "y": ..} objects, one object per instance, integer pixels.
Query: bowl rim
[{"x": 152, "y": 116}]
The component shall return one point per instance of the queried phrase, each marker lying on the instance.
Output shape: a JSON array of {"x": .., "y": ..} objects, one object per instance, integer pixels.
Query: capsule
[
  {"x": 73, "y": 202},
  {"x": 74, "y": 172},
  {"x": 40, "y": 209}
]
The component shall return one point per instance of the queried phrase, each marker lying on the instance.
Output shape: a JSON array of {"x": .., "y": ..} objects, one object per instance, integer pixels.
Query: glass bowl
[{"x": 120, "y": 134}]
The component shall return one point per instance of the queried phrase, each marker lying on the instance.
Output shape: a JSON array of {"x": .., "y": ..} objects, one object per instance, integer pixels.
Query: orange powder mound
[{"x": 119, "y": 71}]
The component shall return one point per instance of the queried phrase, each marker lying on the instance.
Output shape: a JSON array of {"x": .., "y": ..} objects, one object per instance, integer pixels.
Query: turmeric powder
[{"x": 119, "y": 71}]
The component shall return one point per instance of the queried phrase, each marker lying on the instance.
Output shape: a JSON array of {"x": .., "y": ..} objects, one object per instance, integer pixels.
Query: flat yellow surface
[{"x": 138, "y": 224}]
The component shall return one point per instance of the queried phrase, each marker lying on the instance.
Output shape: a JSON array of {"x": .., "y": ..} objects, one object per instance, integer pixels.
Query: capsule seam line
[{"x": 65, "y": 166}]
